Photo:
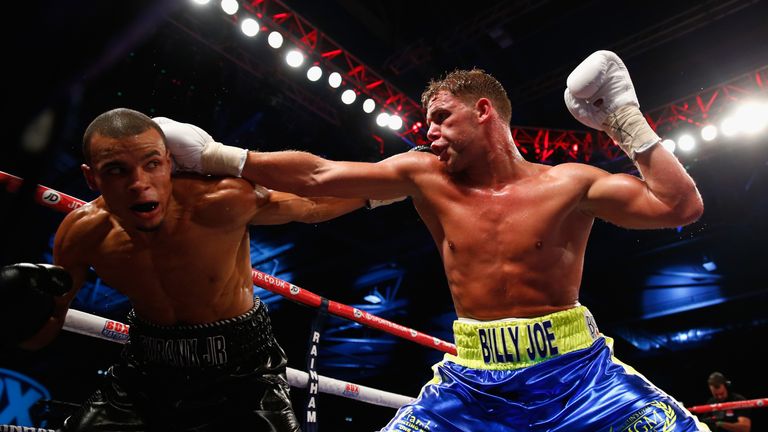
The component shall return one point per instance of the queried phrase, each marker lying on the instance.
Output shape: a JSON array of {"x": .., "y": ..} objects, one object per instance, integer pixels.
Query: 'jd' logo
[{"x": 18, "y": 393}]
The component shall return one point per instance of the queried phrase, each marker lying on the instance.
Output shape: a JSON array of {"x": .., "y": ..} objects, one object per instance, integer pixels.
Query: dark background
[{"x": 671, "y": 319}]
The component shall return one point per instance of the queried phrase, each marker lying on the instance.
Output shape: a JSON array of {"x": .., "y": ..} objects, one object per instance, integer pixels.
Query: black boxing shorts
[{"x": 226, "y": 375}]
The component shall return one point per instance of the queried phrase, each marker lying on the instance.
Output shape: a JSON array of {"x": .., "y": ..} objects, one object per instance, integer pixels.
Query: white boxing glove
[
  {"x": 193, "y": 149},
  {"x": 600, "y": 94}
]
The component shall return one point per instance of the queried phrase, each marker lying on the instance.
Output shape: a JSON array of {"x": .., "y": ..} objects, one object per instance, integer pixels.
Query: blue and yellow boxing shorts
[{"x": 550, "y": 373}]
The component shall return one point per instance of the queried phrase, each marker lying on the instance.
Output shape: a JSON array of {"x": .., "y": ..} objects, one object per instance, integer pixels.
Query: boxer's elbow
[
  {"x": 689, "y": 208},
  {"x": 312, "y": 184},
  {"x": 318, "y": 182},
  {"x": 697, "y": 208}
]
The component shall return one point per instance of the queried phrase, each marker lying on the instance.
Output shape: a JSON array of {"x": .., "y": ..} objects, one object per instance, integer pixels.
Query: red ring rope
[
  {"x": 753, "y": 403},
  {"x": 43, "y": 195},
  {"x": 65, "y": 203},
  {"x": 293, "y": 292}
]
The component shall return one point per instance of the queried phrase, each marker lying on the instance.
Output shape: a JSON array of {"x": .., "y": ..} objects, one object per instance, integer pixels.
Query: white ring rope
[{"x": 95, "y": 326}]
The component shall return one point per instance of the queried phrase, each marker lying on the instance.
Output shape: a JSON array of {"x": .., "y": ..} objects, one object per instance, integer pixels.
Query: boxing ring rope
[
  {"x": 43, "y": 195},
  {"x": 745, "y": 404},
  {"x": 95, "y": 326},
  {"x": 300, "y": 295}
]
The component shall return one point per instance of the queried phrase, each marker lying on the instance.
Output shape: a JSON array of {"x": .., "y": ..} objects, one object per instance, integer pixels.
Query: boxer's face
[
  {"x": 453, "y": 127},
  {"x": 133, "y": 175}
]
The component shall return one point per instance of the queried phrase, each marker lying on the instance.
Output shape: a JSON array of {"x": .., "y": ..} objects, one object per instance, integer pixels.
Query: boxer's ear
[{"x": 89, "y": 177}]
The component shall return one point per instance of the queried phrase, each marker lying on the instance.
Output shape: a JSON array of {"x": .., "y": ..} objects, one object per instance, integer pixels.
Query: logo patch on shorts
[
  {"x": 656, "y": 416},
  {"x": 591, "y": 326}
]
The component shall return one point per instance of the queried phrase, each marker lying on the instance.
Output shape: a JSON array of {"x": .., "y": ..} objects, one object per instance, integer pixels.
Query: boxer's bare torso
[
  {"x": 194, "y": 268},
  {"x": 514, "y": 249}
]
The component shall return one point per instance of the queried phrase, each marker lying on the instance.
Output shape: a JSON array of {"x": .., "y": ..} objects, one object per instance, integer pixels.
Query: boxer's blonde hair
[{"x": 469, "y": 86}]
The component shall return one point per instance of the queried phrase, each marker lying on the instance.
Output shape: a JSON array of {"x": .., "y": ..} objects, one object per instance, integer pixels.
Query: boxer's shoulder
[
  {"x": 83, "y": 229},
  {"x": 196, "y": 188},
  {"x": 207, "y": 196},
  {"x": 572, "y": 179},
  {"x": 90, "y": 216},
  {"x": 574, "y": 171}
]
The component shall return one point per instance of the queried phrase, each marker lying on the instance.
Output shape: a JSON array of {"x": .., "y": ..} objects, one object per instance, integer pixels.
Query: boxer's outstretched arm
[
  {"x": 309, "y": 175},
  {"x": 301, "y": 173},
  {"x": 285, "y": 207}
]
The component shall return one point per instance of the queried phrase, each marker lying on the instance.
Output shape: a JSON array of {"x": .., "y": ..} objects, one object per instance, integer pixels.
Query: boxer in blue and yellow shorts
[
  {"x": 512, "y": 235},
  {"x": 550, "y": 373}
]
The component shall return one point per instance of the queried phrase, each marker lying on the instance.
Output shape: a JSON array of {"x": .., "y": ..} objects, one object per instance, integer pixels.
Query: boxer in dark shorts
[
  {"x": 226, "y": 374},
  {"x": 201, "y": 356}
]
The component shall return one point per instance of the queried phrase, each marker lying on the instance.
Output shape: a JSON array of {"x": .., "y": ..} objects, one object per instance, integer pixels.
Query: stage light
[
  {"x": 334, "y": 80},
  {"x": 752, "y": 117},
  {"x": 709, "y": 132},
  {"x": 275, "y": 39},
  {"x": 250, "y": 27},
  {"x": 686, "y": 143},
  {"x": 314, "y": 73},
  {"x": 348, "y": 96},
  {"x": 730, "y": 126},
  {"x": 395, "y": 122},
  {"x": 294, "y": 58},
  {"x": 230, "y": 7},
  {"x": 369, "y": 105},
  {"x": 382, "y": 119},
  {"x": 201, "y": 2},
  {"x": 374, "y": 298}
]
